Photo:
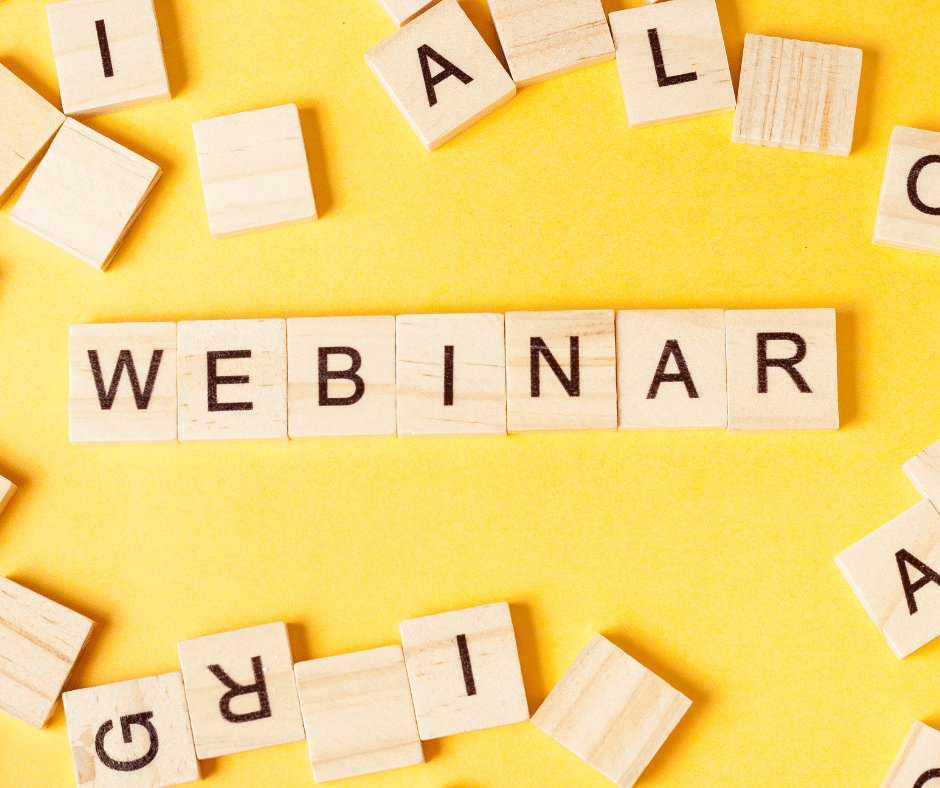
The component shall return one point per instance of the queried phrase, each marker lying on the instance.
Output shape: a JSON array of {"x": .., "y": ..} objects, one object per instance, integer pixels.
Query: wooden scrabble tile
[
  {"x": 918, "y": 762},
  {"x": 27, "y": 123},
  {"x": 403, "y": 11},
  {"x": 241, "y": 690},
  {"x": 441, "y": 74},
  {"x": 7, "y": 490},
  {"x": 546, "y": 38},
  {"x": 782, "y": 370},
  {"x": 85, "y": 194},
  {"x": 611, "y": 712},
  {"x": 134, "y": 733},
  {"x": 464, "y": 670},
  {"x": 672, "y": 62},
  {"x": 797, "y": 95},
  {"x": 232, "y": 380},
  {"x": 358, "y": 713},
  {"x": 40, "y": 642},
  {"x": 561, "y": 371},
  {"x": 909, "y": 209},
  {"x": 671, "y": 369},
  {"x": 924, "y": 472},
  {"x": 894, "y": 572},
  {"x": 451, "y": 375},
  {"x": 341, "y": 377},
  {"x": 122, "y": 383},
  {"x": 254, "y": 171},
  {"x": 108, "y": 55}
]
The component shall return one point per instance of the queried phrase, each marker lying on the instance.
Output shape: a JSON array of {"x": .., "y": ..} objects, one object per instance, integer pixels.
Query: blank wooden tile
[
  {"x": 611, "y": 712},
  {"x": 924, "y": 472},
  {"x": 451, "y": 375},
  {"x": 232, "y": 380},
  {"x": 918, "y": 762},
  {"x": 797, "y": 95},
  {"x": 241, "y": 690},
  {"x": 7, "y": 490},
  {"x": 40, "y": 642},
  {"x": 782, "y": 370},
  {"x": 254, "y": 171},
  {"x": 27, "y": 123},
  {"x": 133, "y": 733},
  {"x": 464, "y": 670},
  {"x": 546, "y": 38},
  {"x": 403, "y": 11},
  {"x": 440, "y": 74},
  {"x": 108, "y": 55},
  {"x": 893, "y": 571},
  {"x": 341, "y": 377},
  {"x": 85, "y": 194},
  {"x": 581, "y": 394},
  {"x": 671, "y": 369},
  {"x": 358, "y": 713},
  {"x": 672, "y": 62},
  {"x": 122, "y": 383}
]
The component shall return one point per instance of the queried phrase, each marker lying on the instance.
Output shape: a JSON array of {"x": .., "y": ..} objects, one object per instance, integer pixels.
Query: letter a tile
[{"x": 918, "y": 762}]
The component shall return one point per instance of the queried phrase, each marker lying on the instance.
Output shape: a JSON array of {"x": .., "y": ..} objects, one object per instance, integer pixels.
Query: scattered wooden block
[
  {"x": 451, "y": 375},
  {"x": 672, "y": 62},
  {"x": 671, "y": 369},
  {"x": 341, "y": 377},
  {"x": 611, "y": 712},
  {"x": 924, "y": 472},
  {"x": 108, "y": 55},
  {"x": 918, "y": 762},
  {"x": 358, "y": 714},
  {"x": 241, "y": 690},
  {"x": 134, "y": 733},
  {"x": 40, "y": 642},
  {"x": 27, "y": 123},
  {"x": 909, "y": 209},
  {"x": 464, "y": 670},
  {"x": 254, "y": 171},
  {"x": 782, "y": 370},
  {"x": 547, "y": 38},
  {"x": 561, "y": 370},
  {"x": 797, "y": 95},
  {"x": 85, "y": 194},
  {"x": 403, "y": 11},
  {"x": 7, "y": 490},
  {"x": 232, "y": 380},
  {"x": 441, "y": 74},
  {"x": 894, "y": 572},
  {"x": 122, "y": 383}
]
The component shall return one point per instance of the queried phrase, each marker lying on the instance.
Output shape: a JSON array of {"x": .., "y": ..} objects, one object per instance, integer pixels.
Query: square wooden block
[
  {"x": 133, "y": 734},
  {"x": 797, "y": 95},
  {"x": 672, "y": 62},
  {"x": 254, "y": 171},
  {"x": 358, "y": 714},
  {"x": 671, "y": 369},
  {"x": 782, "y": 370},
  {"x": 561, "y": 371},
  {"x": 464, "y": 670},
  {"x": 108, "y": 55},
  {"x": 546, "y": 38},
  {"x": 451, "y": 375},
  {"x": 924, "y": 472},
  {"x": 611, "y": 712},
  {"x": 403, "y": 11},
  {"x": 7, "y": 490},
  {"x": 341, "y": 377},
  {"x": 122, "y": 383},
  {"x": 241, "y": 690},
  {"x": 27, "y": 123},
  {"x": 232, "y": 380},
  {"x": 40, "y": 642},
  {"x": 85, "y": 194},
  {"x": 441, "y": 74},
  {"x": 894, "y": 572},
  {"x": 918, "y": 762}
]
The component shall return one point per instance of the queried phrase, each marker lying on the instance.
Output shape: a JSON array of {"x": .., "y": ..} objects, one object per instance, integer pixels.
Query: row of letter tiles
[{"x": 457, "y": 374}]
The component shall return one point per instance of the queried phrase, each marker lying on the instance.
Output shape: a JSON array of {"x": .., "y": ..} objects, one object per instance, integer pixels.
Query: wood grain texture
[
  {"x": 40, "y": 642},
  {"x": 358, "y": 713},
  {"x": 611, "y": 712},
  {"x": 920, "y": 754},
  {"x": 403, "y": 11},
  {"x": 924, "y": 472},
  {"x": 797, "y": 95}
]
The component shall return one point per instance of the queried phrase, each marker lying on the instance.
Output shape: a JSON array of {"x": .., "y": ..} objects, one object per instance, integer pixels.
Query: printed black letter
[
  {"x": 448, "y": 375},
  {"x": 930, "y": 774},
  {"x": 132, "y": 719},
  {"x": 425, "y": 53},
  {"x": 125, "y": 359},
  {"x": 912, "y": 179},
  {"x": 260, "y": 688},
  {"x": 660, "y": 66},
  {"x": 682, "y": 376},
  {"x": 538, "y": 348},
  {"x": 929, "y": 576},
  {"x": 214, "y": 380},
  {"x": 786, "y": 364},
  {"x": 105, "y": 49},
  {"x": 326, "y": 375},
  {"x": 468, "y": 681}
]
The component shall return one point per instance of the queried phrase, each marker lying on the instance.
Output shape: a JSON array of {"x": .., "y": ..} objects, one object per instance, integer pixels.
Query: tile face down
[
  {"x": 924, "y": 472},
  {"x": 403, "y": 11},
  {"x": 132, "y": 734},
  {"x": 440, "y": 74},
  {"x": 918, "y": 762},
  {"x": 611, "y": 712},
  {"x": 672, "y": 62}
]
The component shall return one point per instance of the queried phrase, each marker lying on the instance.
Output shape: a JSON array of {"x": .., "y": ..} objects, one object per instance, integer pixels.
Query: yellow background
[{"x": 707, "y": 556}]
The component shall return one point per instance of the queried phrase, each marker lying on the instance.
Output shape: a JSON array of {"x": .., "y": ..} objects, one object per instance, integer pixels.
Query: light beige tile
[
  {"x": 403, "y": 11},
  {"x": 7, "y": 490},
  {"x": 924, "y": 472},
  {"x": 918, "y": 762}
]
